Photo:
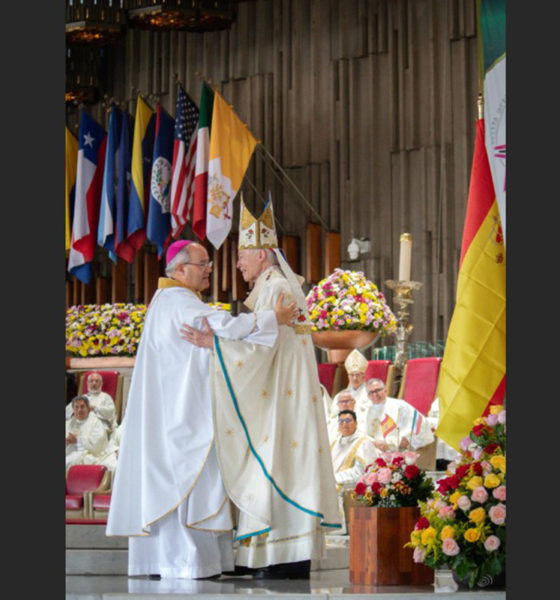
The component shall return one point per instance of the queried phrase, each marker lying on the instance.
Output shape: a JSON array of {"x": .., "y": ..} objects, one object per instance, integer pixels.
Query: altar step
[{"x": 90, "y": 552}]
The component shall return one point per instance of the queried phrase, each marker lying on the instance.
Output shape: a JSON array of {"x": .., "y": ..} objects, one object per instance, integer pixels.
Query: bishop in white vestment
[{"x": 167, "y": 494}]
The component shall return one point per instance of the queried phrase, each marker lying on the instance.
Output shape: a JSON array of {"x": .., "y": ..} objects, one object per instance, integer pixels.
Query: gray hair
[
  {"x": 374, "y": 380},
  {"x": 181, "y": 257},
  {"x": 270, "y": 255},
  {"x": 84, "y": 398}
]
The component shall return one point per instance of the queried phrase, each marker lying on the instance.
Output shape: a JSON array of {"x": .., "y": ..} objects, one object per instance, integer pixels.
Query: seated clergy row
[{"x": 92, "y": 433}]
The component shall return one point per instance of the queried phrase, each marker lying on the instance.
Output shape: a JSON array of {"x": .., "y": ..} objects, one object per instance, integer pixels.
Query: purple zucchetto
[{"x": 174, "y": 249}]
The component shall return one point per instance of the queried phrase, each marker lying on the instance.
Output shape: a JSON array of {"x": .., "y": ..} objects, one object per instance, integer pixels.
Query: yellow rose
[
  {"x": 454, "y": 497},
  {"x": 499, "y": 462},
  {"x": 415, "y": 537},
  {"x": 472, "y": 535},
  {"x": 496, "y": 409},
  {"x": 479, "y": 421},
  {"x": 477, "y": 515},
  {"x": 474, "y": 482},
  {"x": 447, "y": 532},
  {"x": 428, "y": 535},
  {"x": 491, "y": 481},
  {"x": 383, "y": 493}
]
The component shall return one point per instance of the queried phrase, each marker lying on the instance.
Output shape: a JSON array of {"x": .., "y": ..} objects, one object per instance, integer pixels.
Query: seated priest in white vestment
[
  {"x": 168, "y": 496},
  {"x": 86, "y": 438},
  {"x": 271, "y": 434},
  {"x": 351, "y": 451},
  {"x": 393, "y": 424},
  {"x": 355, "y": 364},
  {"x": 111, "y": 453},
  {"x": 100, "y": 402},
  {"x": 345, "y": 401}
]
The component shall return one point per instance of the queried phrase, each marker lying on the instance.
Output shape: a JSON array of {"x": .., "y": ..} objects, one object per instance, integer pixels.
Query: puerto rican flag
[{"x": 92, "y": 141}]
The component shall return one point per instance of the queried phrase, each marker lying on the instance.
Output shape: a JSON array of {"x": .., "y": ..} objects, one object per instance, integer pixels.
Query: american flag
[{"x": 184, "y": 162}]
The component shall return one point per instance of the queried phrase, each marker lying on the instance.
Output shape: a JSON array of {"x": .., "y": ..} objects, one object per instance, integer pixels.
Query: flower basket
[
  {"x": 378, "y": 555},
  {"x": 344, "y": 340},
  {"x": 463, "y": 524}
]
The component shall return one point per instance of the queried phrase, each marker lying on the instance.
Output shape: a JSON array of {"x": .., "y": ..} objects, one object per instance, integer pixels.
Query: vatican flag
[{"x": 231, "y": 148}]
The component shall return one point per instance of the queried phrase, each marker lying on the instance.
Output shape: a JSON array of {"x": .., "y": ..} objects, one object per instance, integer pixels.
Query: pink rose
[
  {"x": 447, "y": 512},
  {"x": 486, "y": 466},
  {"x": 499, "y": 493},
  {"x": 384, "y": 475},
  {"x": 439, "y": 504},
  {"x": 450, "y": 547},
  {"x": 418, "y": 555},
  {"x": 479, "y": 494},
  {"x": 465, "y": 443},
  {"x": 477, "y": 453},
  {"x": 502, "y": 417},
  {"x": 370, "y": 478},
  {"x": 464, "y": 503},
  {"x": 492, "y": 420},
  {"x": 492, "y": 543},
  {"x": 497, "y": 514},
  {"x": 410, "y": 457}
]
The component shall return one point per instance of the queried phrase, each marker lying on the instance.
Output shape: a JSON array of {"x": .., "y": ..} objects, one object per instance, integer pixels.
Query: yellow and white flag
[{"x": 231, "y": 148}]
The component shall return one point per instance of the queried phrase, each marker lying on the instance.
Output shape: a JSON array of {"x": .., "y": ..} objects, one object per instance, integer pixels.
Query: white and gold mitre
[
  {"x": 355, "y": 362},
  {"x": 257, "y": 233}
]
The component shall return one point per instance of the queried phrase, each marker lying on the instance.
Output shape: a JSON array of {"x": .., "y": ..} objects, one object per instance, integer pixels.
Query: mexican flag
[{"x": 201, "y": 167}]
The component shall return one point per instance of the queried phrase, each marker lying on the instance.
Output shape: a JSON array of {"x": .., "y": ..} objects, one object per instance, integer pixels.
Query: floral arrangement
[
  {"x": 393, "y": 479},
  {"x": 347, "y": 300},
  {"x": 463, "y": 524},
  {"x": 104, "y": 329}
]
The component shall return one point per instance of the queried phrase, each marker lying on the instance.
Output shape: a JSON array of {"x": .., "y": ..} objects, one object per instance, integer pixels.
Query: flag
[
  {"x": 89, "y": 176},
  {"x": 159, "y": 218},
  {"x": 184, "y": 162},
  {"x": 71, "y": 151},
  {"x": 124, "y": 176},
  {"x": 106, "y": 227},
  {"x": 472, "y": 372},
  {"x": 387, "y": 425},
  {"x": 231, "y": 148},
  {"x": 142, "y": 149},
  {"x": 492, "y": 54},
  {"x": 416, "y": 422},
  {"x": 201, "y": 167}
]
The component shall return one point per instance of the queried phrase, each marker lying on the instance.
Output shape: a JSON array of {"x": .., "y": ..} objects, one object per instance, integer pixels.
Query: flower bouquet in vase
[
  {"x": 385, "y": 506},
  {"x": 463, "y": 524}
]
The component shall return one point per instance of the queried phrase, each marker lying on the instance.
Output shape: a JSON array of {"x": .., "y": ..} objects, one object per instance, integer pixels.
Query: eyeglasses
[
  {"x": 202, "y": 265},
  {"x": 376, "y": 391},
  {"x": 348, "y": 420}
]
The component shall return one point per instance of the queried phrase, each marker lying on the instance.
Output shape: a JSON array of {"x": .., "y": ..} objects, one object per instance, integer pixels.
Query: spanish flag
[
  {"x": 387, "y": 425},
  {"x": 231, "y": 148},
  {"x": 71, "y": 145},
  {"x": 473, "y": 368}
]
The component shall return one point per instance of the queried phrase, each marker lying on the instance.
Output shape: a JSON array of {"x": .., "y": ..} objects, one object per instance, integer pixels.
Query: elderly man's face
[
  {"x": 346, "y": 424},
  {"x": 345, "y": 402},
  {"x": 196, "y": 273},
  {"x": 356, "y": 379},
  {"x": 376, "y": 392},
  {"x": 95, "y": 382},
  {"x": 81, "y": 410},
  {"x": 251, "y": 264}
]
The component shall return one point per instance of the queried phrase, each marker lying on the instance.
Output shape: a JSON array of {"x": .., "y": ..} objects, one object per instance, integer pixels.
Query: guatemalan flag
[
  {"x": 89, "y": 176},
  {"x": 106, "y": 229},
  {"x": 122, "y": 248},
  {"x": 142, "y": 149},
  {"x": 158, "y": 229}
]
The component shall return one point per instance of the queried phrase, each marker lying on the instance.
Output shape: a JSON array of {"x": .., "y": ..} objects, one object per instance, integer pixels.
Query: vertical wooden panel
[
  {"x": 69, "y": 294},
  {"x": 87, "y": 292},
  {"x": 151, "y": 274},
  {"x": 138, "y": 276},
  {"x": 102, "y": 290},
  {"x": 332, "y": 252},
  {"x": 238, "y": 284},
  {"x": 313, "y": 272},
  {"x": 218, "y": 295},
  {"x": 225, "y": 261},
  {"x": 119, "y": 281},
  {"x": 291, "y": 246},
  {"x": 76, "y": 291}
]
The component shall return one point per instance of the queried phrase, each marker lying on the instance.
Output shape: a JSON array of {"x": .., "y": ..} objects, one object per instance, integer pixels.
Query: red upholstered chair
[
  {"x": 112, "y": 385},
  {"x": 419, "y": 388},
  {"x": 81, "y": 482},
  {"x": 327, "y": 372},
  {"x": 381, "y": 369}
]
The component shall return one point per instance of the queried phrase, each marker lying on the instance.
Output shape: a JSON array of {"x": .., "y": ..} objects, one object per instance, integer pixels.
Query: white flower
[{"x": 396, "y": 477}]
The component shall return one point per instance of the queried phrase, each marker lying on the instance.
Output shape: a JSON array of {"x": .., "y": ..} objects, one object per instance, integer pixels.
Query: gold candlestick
[{"x": 402, "y": 298}]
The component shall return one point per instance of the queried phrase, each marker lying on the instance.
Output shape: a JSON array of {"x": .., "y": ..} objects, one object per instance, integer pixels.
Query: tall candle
[{"x": 405, "y": 257}]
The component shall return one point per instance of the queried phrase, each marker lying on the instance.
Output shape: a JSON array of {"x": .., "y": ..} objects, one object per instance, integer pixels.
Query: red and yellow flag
[
  {"x": 387, "y": 425},
  {"x": 472, "y": 372}
]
